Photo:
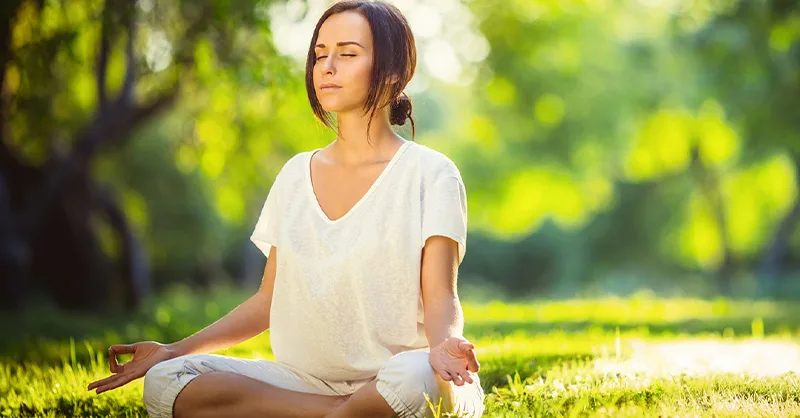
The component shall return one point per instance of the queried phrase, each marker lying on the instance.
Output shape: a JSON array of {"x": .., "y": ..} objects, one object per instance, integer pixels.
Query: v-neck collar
[{"x": 375, "y": 184}]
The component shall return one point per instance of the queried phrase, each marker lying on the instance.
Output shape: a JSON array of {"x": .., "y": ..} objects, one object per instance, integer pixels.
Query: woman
[{"x": 363, "y": 241}]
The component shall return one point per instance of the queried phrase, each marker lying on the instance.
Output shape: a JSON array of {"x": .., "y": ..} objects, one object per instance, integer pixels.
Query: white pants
[{"x": 403, "y": 381}]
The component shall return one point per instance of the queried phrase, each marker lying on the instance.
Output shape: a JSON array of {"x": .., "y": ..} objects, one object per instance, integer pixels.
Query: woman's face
[{"x": 343, "y": 62}]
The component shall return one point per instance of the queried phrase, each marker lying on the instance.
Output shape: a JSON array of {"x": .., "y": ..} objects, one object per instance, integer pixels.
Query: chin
[
  {"x": 336, "y": 106},
  {"x": 330, "y": 107}
]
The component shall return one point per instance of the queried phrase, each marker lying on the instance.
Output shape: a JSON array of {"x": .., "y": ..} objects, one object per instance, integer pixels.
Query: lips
[{"x": 329, "y": 87}]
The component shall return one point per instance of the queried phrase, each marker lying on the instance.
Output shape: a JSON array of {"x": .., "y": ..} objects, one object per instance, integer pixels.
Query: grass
[{"x": 638, "y": 356}]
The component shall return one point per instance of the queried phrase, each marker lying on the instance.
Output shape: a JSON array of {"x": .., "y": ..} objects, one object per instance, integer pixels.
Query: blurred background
[{"x": 608, "y": 147}]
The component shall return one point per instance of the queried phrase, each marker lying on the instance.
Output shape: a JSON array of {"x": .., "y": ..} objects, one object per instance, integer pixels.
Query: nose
[{"x": 328, "y": 66}]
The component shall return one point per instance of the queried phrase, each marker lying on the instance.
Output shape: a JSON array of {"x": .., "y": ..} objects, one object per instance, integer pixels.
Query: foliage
[{"x": 605, "y": 146}]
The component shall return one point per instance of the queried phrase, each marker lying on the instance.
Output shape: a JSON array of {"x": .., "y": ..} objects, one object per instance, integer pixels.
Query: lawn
[{"x": 638, "y": 356}]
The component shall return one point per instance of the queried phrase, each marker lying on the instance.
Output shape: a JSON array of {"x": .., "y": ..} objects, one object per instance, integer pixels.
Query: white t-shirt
[{"x": 347, "y": 293}]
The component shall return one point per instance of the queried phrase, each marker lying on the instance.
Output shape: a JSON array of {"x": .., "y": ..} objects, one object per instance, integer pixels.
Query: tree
[
  {"x": 75, "y": 87},
  {"x": 750, "y": 57}
]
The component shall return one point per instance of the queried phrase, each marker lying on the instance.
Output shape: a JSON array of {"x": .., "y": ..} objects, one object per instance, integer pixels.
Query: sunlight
[
  {"x": 718, "y": 141},
  {"x": 700, "y": 358},
  {"x": 700, "y": 238},
  {"x": 158, "y": 51},
  {"x": 448, "y": 48},
  {"x": 549, "y": 109},
  {"x": 662, "y": 145}
]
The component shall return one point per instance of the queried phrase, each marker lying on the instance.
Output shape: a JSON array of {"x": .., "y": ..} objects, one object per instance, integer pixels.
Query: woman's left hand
[{"x": 453, "y": 359}]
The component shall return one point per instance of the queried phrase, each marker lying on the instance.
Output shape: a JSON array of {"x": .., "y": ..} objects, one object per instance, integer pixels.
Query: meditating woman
[{"x": 363, "y": 241}]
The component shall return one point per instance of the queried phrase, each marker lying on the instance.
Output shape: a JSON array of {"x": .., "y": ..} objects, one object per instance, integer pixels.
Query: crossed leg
[{"x": 227, "y": 394}]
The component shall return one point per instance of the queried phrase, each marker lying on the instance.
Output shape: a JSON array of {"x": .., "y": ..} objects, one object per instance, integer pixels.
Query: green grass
[{"x": 639, "y": 356}]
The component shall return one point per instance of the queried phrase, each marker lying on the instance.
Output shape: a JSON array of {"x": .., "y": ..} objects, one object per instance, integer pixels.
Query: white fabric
[
  {"x": 403, "y": 381},
  {"x": 347, "y": 292},
  {"x": 407, "y": 378}
]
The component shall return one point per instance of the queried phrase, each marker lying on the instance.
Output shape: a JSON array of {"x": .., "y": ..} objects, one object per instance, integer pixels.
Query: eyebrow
[{"x": 341, "y": 44}]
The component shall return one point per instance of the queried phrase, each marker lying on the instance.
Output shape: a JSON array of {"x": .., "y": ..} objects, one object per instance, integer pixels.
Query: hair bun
[{"x": 400, "y": 110}]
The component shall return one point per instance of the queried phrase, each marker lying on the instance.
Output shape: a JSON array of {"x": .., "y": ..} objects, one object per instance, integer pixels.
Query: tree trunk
[
  {"x": 776, "y": 251},
  {"x": 12, "y": 249},
  {"x": 710, "y": 184},
  {"x": 724, "y": 273},
  {"x": 132, "y": 263},
  {"x": 16, "y": 177},
  {"x": 68, "y": 258},
  {"x": 13, "y": 255}
]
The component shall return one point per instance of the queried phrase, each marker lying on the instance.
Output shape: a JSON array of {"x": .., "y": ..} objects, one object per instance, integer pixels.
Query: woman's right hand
[{"x": 146, "y": 354}]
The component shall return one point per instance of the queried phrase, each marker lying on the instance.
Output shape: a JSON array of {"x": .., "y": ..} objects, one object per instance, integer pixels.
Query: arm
[
  {"x": 451, "y": 355},
  {"x": 244, "y": 322},
  {"x": 443, "y": 315},
  {"x": 247, "y": 320}
]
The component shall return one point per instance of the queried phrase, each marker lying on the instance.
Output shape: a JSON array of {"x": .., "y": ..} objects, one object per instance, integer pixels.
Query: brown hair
[{"x": 394, "y": 54}]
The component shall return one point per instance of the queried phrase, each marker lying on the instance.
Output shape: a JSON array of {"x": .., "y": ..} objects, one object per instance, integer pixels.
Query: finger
[
  {"x": 101, "y": 382},
  {"x": 466, "y": 377},
  {"x": 457, "y": 379},
  {"x": 446, "y": 376},
  {"x": 123, "y": 348},
  {"x": 118, "y": 349},
  {"x": 473, "y": 364},
  {"x": 112, "y": 360},
  {"x": 107, "y": 382},
  {"x": 122, "y": 380}
]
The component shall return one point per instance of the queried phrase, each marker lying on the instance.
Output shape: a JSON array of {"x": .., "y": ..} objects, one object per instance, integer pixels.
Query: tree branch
[
  {"x": 130, "y": 58},
  {"x": 102, "y": 59},
  {"x": 116, "y": 124},
  {"x": 778, "y": 247}
]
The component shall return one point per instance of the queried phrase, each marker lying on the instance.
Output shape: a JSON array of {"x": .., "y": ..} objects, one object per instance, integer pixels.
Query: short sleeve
[
  {"x": 444, "y": 210},
  {"x": 265, "y": 234}
]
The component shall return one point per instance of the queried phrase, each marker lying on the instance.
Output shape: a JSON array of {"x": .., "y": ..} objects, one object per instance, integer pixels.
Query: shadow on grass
[
  {"x": 47, "y": 340},
  {"x": 83, "y": 407},
  {"x": 740, "y": 326},
  {"x": 496, "y": 370}
]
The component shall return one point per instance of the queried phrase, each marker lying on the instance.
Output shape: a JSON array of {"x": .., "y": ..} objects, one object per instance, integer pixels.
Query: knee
[
  {"x": 157, "y": 379},
  {"x": 408, "y": 382},
  {"x": 415, "y": 370},
  {"x": 163, "y": 382}
]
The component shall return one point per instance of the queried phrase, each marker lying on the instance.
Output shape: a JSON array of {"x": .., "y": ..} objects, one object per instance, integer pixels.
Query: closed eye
[{"x": 342, "y": 55}]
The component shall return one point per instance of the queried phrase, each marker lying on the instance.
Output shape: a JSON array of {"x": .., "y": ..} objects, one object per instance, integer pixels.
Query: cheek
[
  {"x": 361, "y": 75},
  {"x": 316, "y": 73},
  {"x": 364, "y": 67}
]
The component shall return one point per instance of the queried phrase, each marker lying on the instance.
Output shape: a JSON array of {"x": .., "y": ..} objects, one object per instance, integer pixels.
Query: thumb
[{"x": 465, "y": 345}]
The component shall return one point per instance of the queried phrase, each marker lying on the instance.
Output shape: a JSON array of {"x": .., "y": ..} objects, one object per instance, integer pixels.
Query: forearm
[
  {"x": 443, "y": 319},
  {"x": 244, "y": 322}
]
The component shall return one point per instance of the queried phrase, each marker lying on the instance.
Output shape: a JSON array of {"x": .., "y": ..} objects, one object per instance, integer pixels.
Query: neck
[{"x": 351, "y": 145}]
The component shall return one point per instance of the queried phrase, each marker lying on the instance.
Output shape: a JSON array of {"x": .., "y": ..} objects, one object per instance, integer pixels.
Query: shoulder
[
  {"x": 434, "y": 164},
  {"x": 295, "y": 162},
  {"x": 293, "y": 167},
  {"x": 290, "y": 175}
]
